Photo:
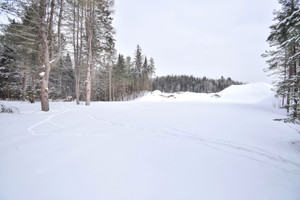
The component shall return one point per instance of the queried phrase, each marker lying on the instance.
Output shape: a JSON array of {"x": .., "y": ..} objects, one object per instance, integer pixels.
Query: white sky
[{"x": 198, "y": 37}]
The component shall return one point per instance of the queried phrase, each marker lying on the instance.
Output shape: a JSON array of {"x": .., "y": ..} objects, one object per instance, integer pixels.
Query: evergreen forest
[{"x": 186, "y": 83}]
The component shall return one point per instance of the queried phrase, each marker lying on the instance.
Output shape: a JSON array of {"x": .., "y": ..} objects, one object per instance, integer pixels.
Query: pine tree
[
  {"x": 21, "y": 36},
  {"x": 138, "y": 62},
  {"x": 62, "y": 80},
  {"x": 151, "y": 68},
  {"x": 41, "y": 19},
  {"x": 119, "y": 78},
  {"x": 145, "y": 75},
  {"x": 130, "y": 77},
  {"x": 284, "y": 60},
  {"x": 10, "y": 81}
]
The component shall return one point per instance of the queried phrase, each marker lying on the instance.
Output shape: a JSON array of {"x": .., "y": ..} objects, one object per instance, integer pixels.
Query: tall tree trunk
[
  {"x": 75, "y": 48},
  {"x": 33, "y": 87},
  {"x": 109, "y": 85},
  {"x": 123, "y": 90},
  {"x": 89, "y": 35},
  {"x": 43, "y": 57},
  {"x": 284, "y": 78},
  {"x": 50, "y": 30},
  {"x": 78, "y": 46},
  {"x": 88, "y": 73},
  {"x": 59, "y": 26},
  {"x": 112, "y": 90},
  {"x": 77, "y": 85},
  {"x": 295, "y": 106},
  {"x": 24, "y": 84},
  {"x": 44, "y": 62}
]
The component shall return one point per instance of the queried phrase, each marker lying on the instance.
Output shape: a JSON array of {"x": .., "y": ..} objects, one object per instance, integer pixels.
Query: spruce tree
[
  {"x": 284, "y": 58},
  {"x": 145, "y": 77},
  {"x": 10, "y": 80},
  {"x": 138, "y": 62},
  {"x": 151, "y": 68}
]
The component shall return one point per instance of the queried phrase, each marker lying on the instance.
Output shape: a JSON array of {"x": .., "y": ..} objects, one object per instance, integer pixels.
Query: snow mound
[{"x": 248, "y": 93}]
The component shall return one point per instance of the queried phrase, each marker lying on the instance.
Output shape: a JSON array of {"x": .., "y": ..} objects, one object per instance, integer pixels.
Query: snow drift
[{"x": 248, "y": 93}]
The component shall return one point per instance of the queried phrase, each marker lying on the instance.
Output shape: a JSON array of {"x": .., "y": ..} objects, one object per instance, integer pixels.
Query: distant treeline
[{"x": 185, "y": 83}]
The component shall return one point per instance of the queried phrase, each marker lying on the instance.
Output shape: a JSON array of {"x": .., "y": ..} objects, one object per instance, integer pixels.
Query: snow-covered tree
[{"x": 284, "y": 58}]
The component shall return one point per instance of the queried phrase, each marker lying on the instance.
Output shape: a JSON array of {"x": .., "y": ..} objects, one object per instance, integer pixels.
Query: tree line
[
  {"x": 126, "y": 80},
  {"x": 185, "y": 83},
  {"x": 58, "y": 48},
  {"x": 283, "y": 59}
]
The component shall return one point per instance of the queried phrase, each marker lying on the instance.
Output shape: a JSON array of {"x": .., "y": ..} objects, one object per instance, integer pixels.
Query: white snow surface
[
  {"x": 42, "y": 74},
  {"x": 159, "y": 147}
]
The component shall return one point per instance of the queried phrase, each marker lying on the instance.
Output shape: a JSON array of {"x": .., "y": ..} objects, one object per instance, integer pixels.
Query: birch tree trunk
[
  {"x": 80, "y": 59},
  {"x": 89, "y": 36},
  {"x": 76, "y": 47}
]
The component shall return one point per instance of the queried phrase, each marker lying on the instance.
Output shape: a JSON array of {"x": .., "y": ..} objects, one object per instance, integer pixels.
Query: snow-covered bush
[
  {"x": 69, "y": 98},
  {"x": 5, "y": 109}
]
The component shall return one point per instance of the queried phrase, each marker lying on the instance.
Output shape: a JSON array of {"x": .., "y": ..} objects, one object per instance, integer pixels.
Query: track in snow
[{"x": 231, "y": 147}]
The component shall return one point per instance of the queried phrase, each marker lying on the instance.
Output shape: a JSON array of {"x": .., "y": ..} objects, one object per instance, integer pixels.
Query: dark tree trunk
[{"x": 43, "y": 57}]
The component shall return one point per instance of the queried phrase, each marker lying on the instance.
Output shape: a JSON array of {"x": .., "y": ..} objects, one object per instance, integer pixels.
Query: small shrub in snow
[
  {"x": 216, "y": 95},
  {"x": 5, "y": 109},
  {"x": 69, "y": 98},
  {"x": 171, "y": 96}
]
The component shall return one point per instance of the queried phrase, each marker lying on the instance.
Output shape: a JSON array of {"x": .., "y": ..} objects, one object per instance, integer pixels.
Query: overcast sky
[{"x": 198, "y": 37}]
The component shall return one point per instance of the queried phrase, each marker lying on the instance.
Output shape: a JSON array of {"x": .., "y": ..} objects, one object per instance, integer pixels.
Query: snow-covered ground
[{"x": 181, "y": 146}]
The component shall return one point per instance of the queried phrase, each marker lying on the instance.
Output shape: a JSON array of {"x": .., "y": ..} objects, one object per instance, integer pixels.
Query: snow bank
[{"x": 248, "y": 93}]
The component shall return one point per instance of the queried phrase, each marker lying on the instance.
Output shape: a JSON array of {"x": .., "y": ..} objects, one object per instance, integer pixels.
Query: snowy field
[{"x": 181, "y": 146}]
